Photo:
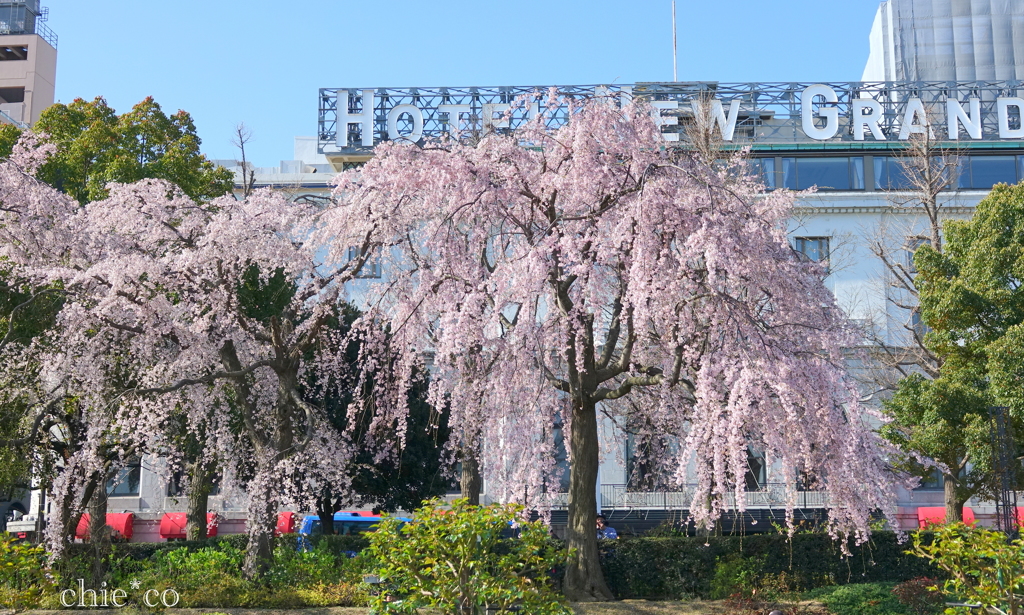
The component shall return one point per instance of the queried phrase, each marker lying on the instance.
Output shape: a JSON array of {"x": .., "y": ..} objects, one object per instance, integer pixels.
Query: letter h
[{"x": 363, "y": 118}]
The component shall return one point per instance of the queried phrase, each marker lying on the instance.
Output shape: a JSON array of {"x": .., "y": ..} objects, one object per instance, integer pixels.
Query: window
[
  {"x": 889, "y": 174},
  {"x": 814, "y": 249},
  {"x": 13, "y": 52},
  {"x": 764, "y": 170},
  {"x": 913, "y": 244},
  {"x": 839, "y": 173},
  {"x": 12, "y": 95},
  {"x": 371, "y": 268},
  {"x": 176, "y": 485},
  {"x": 917, "y": 323},
  {"x": 756, "y": 478},
  {"x": 758, "y": 169},
  {"x": 983, "y": 172},
  {"x": 126, "y": 482},
  {"x": 932, "y": 482}
]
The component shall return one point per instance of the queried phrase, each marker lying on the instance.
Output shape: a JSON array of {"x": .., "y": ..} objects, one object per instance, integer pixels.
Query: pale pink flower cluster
[{"x": 553, "y": 274}]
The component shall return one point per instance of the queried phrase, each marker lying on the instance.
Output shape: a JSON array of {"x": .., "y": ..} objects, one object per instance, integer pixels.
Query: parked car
[{"x": 346, "y": 523}]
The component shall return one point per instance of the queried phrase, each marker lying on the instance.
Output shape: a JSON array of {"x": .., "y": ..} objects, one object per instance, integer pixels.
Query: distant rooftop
[{"x": 25, "y": 17}]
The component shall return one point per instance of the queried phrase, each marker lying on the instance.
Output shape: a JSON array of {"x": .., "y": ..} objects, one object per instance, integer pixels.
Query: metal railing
[{"x": 772, "y": 495}]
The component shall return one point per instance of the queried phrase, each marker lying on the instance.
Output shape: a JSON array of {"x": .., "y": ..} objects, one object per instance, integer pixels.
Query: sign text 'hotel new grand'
[{"x": 354, "y": 120}]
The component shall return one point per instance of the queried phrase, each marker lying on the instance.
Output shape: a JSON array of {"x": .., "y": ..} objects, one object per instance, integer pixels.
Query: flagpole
[{"x": 675, "y": 66}]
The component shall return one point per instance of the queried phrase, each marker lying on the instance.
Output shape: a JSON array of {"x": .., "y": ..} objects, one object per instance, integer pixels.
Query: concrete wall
[{"x": 37, "y": 74}]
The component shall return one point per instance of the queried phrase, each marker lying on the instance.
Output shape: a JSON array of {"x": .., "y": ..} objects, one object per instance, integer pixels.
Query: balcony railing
[{"x": 772, "y": 495}]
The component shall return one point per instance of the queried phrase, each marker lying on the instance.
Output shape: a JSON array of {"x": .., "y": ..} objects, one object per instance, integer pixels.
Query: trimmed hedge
[
  {"x": 146, "y": 550},
  {"x": 674, "y": 568},
  {"x": 682, "y": 568}
]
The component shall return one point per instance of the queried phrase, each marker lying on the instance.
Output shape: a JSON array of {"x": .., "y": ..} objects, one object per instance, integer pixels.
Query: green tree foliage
[
  {"x": 983, "y": 567},
  {"x": 97, "y": 146},
  {"x": 972, "y": 299},
  {"x": 9, "y": 134},
  {"x": 24, "y": 577},
  {"x": 460, "y": 561},
  {"x": 390, "y": 476},
  {"x": 25, "y": 313}
]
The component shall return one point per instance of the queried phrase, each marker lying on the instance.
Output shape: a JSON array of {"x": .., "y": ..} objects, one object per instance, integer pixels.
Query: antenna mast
[{"x": 675, "y": 66}]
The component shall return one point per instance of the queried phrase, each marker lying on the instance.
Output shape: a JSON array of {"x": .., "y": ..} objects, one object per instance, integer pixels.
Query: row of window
[
  {"x": 847, "y": 172},
  {"x": 127, "y": 482}
]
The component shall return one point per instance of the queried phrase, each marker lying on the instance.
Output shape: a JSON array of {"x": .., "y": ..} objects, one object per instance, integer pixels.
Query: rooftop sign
[{"x": 354, "y": 120}]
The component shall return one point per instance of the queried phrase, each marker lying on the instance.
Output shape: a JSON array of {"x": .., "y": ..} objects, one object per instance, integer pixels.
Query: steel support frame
[{"x": 770, "y": 113}]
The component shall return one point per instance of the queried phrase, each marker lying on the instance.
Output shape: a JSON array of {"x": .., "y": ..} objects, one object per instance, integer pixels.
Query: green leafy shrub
[
  {"x": 457, "y": 560},
  {"x": 207, "y": 574},
  {"x": 737, "y": 576},
  {"x": 680, "y": 568},
  {"x": 982, "y": 566},
  {"x": 865, "y": 599},
  {"x": 920, "y": 596},
  {"x": 294, "y": 568},
  {"x": 24, "y": 574}
]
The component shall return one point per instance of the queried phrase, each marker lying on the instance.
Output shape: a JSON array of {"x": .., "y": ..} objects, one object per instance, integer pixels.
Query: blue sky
[{"x": 262, "y": 63}]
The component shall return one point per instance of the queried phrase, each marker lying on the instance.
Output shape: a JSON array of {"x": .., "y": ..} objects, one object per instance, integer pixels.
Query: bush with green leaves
[
  {"x": 921, "y": 596},
  {"x": 207, "y": 573},
  {"x": 682, "y": 568},
  {"x": 864, "y": 599},
  {"x": 461, "y": 561},
  {"x": 736, "y": 576},
  {"x": 983, "y": 566},
  {"x": 24, "y": 576}
]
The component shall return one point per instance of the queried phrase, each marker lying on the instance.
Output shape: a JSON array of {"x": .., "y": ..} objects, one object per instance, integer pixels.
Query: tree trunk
[
  {"x": 954, "y": 501},
  {"x": 262, "y": 517},
  {"x": 99, "y": 533},
  {"x": 470, "y": 482},
  {"x": 584, "y": 579},
  {"x": 198, "y": 499},
  {"x": 325, "y": 510}
]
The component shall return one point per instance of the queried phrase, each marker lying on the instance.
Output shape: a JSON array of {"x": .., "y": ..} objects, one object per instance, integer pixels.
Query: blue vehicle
[{"x": 346, "y": 523}]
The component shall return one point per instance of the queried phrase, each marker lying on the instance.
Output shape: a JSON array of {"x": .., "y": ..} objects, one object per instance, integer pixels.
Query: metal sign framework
[
  {"x": 769, "y": 113},
  {"x": 1005, "y": 467}
]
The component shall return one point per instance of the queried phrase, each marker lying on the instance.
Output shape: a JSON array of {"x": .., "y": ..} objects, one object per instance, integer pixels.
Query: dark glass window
[
  {"x": 814, "y": 249},
  {"x": 889, "y": 174},
  {"x": 176, "y": 485},
  {"x": 840, "y": 173},
  {"x": 983, "y": 172},
  {"x": 764, "y": 170},
  {"x": 933, "y": 481},
  {"x": 126, "y": 482},
  {"x": 912, "y": 245},
  {"x": 13, "y": 52},
  {"x": 757, "y": 475}
]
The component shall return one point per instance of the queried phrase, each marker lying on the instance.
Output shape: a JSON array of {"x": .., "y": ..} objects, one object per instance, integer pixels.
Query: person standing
[{"x": 604, "y": 531}]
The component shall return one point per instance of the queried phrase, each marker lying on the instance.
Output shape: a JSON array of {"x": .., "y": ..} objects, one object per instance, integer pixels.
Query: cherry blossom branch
[
  {"x": 309, "y": 412},
  {"x": 229, "y": 358}
]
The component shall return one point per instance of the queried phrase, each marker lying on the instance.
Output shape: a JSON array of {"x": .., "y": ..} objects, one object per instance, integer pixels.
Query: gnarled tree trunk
[
  {"x": 199, "y": 488},
  {"x": 259, "y": 551},
  {"x": 953, "y": 499},
  {"x": 325, "y": 510},
  {"x": 470, "y": 482},
  {"x": 584, "y": 579},
  {"x": 99, "y": 533}
]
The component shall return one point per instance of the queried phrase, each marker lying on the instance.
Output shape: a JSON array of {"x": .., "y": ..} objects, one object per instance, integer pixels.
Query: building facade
[{"x": 28, "y": 61}]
